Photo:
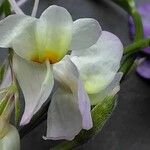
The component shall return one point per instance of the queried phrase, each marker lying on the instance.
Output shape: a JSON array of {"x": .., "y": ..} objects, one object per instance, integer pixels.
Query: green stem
[
  {"x": 100, "y": 113},
  {"x": 129, "y": 52},
  {"x": 138, "y": 24},
  {"x": 134, "y": 47},
  {"x": 131, "y": 9}
]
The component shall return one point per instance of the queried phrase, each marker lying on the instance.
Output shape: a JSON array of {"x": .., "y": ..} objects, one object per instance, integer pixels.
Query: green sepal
[{"x": 100, "y": 114}]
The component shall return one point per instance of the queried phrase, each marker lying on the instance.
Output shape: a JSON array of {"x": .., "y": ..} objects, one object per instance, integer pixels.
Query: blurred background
[{"x": 129, "y": 126}]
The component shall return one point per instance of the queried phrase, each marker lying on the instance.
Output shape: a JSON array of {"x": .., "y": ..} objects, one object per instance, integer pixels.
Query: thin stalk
[
  {"x": 134, "y": 47},
  {"x": 138, "y": 25},
  {"x": 21, "y": 2},
  {"x": 129, "y": 60},
  {"x": 35, "y": 8}
]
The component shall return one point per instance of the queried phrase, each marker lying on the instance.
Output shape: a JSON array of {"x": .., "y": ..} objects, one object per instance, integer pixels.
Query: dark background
[{"x": 129, "y": 126}]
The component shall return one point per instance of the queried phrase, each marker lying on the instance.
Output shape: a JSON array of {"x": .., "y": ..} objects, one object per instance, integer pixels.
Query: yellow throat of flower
[{"x": 52, "y": 56}]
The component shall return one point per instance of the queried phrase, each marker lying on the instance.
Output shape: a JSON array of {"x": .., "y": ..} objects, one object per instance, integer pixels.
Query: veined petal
[
  {"x": 111, "y": 90},
  {"x": 99, "y": 64},
  {"x": 25, "y": 43},
  {"x": 69, "y": 110},
  {"x": 36, "y": 82},
  {"x": 86, "y": 32},
  {"x": 12, "y": 26},
  {"x": 64, "y": 119},
  {"x": 53, "y": 33},
  {"x": 11, "y": 141}
]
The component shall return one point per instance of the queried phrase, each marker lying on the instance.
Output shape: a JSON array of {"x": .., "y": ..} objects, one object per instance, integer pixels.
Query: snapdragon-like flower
[
  {"x": 41, "y": 47},
  {"x": 144, "y": 67}
]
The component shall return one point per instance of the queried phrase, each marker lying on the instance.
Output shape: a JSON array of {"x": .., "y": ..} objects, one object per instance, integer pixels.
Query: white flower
[{"x": 40, "y": 46}]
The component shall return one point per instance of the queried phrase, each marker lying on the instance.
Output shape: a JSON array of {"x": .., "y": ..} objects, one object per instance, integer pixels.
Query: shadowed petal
[
  {"x": 36, "y": 82},
  {"x": 111, "y": 90},
  {"x": 64, "y": 119},
  {"x": 69, "y": 111},
  {"x": 99, "y": 64}
]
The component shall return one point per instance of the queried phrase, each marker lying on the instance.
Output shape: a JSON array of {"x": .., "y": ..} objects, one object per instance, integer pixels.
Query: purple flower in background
[{"x": 144, "y": 67}]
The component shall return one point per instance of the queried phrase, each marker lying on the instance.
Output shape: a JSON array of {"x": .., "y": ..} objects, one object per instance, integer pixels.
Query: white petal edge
[
  {"x": 12, "y": 26},
  {"x": 86, "y": 32},
  {"x": 36, "y": 82}
]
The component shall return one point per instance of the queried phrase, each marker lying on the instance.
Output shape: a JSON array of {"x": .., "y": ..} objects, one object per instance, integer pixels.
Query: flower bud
[{"x": 11, "y": 139}]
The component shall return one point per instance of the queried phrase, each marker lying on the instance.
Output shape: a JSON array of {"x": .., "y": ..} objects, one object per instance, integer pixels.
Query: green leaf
[{"x": 100, "y": 114}]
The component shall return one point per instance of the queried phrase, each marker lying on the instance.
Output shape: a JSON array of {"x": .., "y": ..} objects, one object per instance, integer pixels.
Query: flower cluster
[{"x": 78, "y": 56}]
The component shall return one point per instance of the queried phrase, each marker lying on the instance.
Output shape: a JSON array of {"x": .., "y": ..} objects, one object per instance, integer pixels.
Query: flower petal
[
  {"x": 86, "y": 32},
  {"x": 64, "y": 119},
  {"x": 12, "y": 26},
  {"x": 36, "y": 82},
  {"x": 25, "y": 43},
  {"x": 11, "y": 141},
  {"x": 99, "y": 64},
  {"x": 69, "y": 97},
  {"x": 54, "y": 32},
  {"x": 111, "y": 90}
]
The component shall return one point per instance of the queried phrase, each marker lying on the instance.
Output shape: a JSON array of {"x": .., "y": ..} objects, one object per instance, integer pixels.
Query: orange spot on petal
[{"x": 51, "y": 56}]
